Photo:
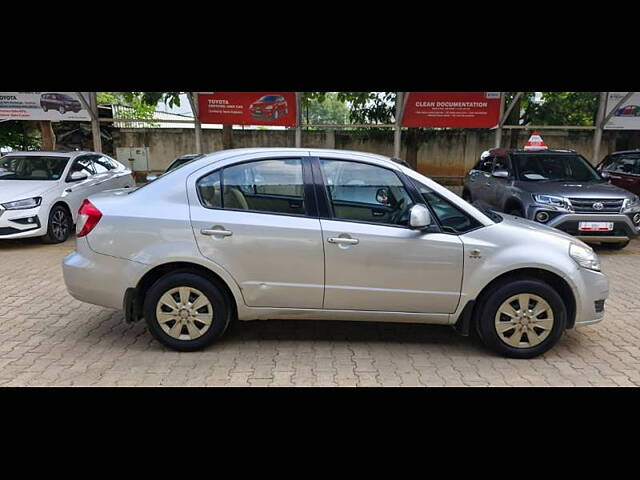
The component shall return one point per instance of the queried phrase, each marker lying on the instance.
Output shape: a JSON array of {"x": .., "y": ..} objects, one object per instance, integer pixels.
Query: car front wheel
[
  {"x": 59, "y": 225},
  {"x": 186, "y": 312},
  {"x": 522, "y": 318}
]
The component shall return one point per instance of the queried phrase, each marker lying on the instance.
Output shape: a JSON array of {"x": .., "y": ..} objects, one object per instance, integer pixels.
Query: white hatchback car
[
  {"x": 41, "y": 192},
  {"x": 325, "y": 234}
]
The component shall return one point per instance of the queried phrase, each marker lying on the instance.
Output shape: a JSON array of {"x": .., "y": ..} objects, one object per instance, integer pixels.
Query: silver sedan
[{"x": 255, "y": 234}]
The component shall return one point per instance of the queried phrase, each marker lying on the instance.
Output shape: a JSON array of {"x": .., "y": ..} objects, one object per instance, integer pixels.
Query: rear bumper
[{"x": 99, "y": 279}]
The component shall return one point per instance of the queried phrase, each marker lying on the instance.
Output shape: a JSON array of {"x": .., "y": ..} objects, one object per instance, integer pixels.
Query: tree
[
  {"x": 138, "y": 107},
  {"x": 19, "y": 135},
  {"x": 327, "y": 109},
  {"x": 554, "y": 108}
]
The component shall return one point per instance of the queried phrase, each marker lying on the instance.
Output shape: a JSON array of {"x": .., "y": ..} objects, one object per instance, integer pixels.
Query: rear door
[{"x": 258, "y": 220}]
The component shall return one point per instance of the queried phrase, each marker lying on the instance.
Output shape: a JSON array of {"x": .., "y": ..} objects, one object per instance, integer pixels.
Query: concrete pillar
[
  {"x": 471, "y": 154},
  {"x": 330, "y": 139}
]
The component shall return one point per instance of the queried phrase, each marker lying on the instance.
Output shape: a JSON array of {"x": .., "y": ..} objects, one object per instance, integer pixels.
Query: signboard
[
  {"x": 248, "y": 108},
  {"x": 627, "y": 116},
  {"x": 42, "y": 106},
  {"x": 452, "y": 109}
]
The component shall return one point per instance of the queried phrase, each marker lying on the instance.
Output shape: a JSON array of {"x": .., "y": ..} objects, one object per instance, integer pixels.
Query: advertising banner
[
  {"x": 627, "y": 116},
  {"x": 42, "y": 106},
  {"x": 248, "y": 108},
  {"x": 452, "y": 109}
]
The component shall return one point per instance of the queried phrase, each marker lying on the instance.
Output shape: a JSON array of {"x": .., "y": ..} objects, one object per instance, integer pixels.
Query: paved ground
[{"x": 48, "y": 338}]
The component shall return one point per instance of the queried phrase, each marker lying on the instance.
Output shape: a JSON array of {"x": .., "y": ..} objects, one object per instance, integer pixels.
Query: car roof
[
  {"x": 504, "y": 151},
  {"x": 53, "y": 153},
  {"x": 621, "y": 152}
]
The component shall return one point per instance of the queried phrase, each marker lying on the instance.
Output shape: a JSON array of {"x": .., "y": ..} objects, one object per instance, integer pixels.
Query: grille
[{"x": 585, "y": 205}]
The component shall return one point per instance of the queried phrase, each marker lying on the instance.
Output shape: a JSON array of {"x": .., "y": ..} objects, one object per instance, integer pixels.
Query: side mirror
[
  {"x": 78, "y": 176},
  {"x": 382, "y": 196},
  {"x": 152, "y": 178},
  {"x": 501, "y": 174},
  {"x": 419, "y": 217},
  {"x": 605, "y": 175}
]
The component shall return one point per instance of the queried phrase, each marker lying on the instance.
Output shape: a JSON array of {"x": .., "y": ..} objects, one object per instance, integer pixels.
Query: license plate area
[{"x": 595, "y": 226}]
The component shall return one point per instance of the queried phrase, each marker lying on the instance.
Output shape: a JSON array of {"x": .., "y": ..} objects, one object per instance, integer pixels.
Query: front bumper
[
  {"x": 592, "y": 289},
  {"x": 623, "y": 227},
  {"x": 22, "y": 223}
]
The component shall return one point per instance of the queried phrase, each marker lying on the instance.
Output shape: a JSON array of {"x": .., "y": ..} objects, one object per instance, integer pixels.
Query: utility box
[{"x": 136, "y": 158}]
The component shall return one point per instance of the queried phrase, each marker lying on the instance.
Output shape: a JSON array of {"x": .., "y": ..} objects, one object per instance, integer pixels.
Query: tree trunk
[
  {"x": 47, "y": 135},
  {"x": 227, "y": 137}
]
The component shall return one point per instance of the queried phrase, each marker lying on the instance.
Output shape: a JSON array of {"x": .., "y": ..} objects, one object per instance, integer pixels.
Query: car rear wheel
[
  {"x": 186, "y": 312},
  {"x": 58, "y": 226},
  {"x": 521, "y": 319}
]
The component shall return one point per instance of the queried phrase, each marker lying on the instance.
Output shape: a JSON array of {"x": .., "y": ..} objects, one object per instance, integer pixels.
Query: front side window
[
  {"x": 627, "y": 164},
  {"x": 31, "y": 167},
  {"x": 270, "y": 186},
  {"x": 366, "y": 193},
  {"x": 102, "y": 164},
  {"x": 451, "y": 218},
  {"x": 554, "y": 167}
]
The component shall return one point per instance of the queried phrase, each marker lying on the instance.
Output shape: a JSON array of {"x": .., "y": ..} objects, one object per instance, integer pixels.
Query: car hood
[
  {"x": 12, "y": 190},
  {"x": 575, "y": 189},
  {"x": 529, "y": 227}
]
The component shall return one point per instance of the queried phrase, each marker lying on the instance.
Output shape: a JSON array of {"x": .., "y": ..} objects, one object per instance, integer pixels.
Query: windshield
[
  {"x": 553, "y": 167},
  {"x": 269, "y": 98},
  {"x": 15, "y": 167}
]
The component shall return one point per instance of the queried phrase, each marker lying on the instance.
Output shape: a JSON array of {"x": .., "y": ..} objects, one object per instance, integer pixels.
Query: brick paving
[{"x": 47, "y": 338}]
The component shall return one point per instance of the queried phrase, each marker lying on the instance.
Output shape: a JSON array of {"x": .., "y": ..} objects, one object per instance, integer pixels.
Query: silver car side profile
[{"x": 256, "y": 234}]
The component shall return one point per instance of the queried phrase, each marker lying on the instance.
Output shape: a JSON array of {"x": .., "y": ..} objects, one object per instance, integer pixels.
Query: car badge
[
  {"x": 475, "y": 253},
  {"x": 598, "y": 206}
]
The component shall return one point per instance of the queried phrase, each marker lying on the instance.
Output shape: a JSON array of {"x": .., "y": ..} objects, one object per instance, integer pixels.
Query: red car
[
  {"x": 623, "y": 168},
  {"x": 269, "y": 107}
]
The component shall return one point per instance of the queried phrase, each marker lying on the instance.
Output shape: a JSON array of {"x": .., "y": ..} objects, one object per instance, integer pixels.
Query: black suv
[
  {"x": 558, "y": 188},
  {"x": 60, "y": 102}
]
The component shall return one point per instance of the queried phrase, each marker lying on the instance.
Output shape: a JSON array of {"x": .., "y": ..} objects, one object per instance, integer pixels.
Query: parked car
[
  {"x": 558, "y": 188},
  {"x": 269, "y": 107},
  {"x": 41, "y": 192},
  {"x": 259, "y": 233},
  {"x": 61, "y": 102},
  {"x": 178, "y": 162},
  {"x": 623, "y": 169}
]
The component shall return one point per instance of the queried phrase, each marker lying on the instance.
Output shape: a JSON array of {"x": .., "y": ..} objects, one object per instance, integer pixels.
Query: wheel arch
[
  {"x": 553, "y": 279},
  {"x": 134, "y": 300},
  {"x": 513, "y": 203},
  {"x": 63, "y": 204}
]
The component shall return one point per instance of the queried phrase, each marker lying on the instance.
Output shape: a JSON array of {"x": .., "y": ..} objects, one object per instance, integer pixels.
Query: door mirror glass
[
  {"x": 501, "y": 174},
  {"x": 382, "y": 196},
  {"x": 419, "y": 217},
  {"x": 78, "y": 176}
]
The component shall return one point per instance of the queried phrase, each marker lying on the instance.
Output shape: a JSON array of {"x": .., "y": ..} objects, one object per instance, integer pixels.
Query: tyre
[
  {"x": 466, "y": 196},
  {"x": 44, "y": 107},
  {"x": 61, "y": 109},
  {"x": 59, "y": 225},
  {"x": 186, "y": 312},
  {"x": 521, "y": 319},
  {"x": 517, "y": 212},
  {"x": 615, "y": 246}
]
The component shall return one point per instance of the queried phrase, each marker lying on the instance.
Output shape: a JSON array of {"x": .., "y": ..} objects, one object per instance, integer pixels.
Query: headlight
[
  {"x": 553, "y": 200},
  {"x": 630, "y": 203},
  {"x": 585, "y": 257},
  {"x": 23, "y": 204}
]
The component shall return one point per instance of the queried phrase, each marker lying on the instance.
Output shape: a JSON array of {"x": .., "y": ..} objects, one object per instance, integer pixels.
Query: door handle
[
  {"x": 216, "y": 232},
  {"x": 343, "y": 241}
]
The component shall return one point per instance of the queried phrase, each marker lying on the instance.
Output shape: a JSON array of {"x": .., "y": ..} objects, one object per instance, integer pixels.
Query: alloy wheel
[
  {"x": 524, "y": 320},
  {"x": 59, "y": 224},
  {"x": 184, "y": 313}
]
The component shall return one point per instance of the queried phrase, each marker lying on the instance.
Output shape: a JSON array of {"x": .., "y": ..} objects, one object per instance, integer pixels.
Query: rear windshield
[
  {"x": 553, "y": 167},
  {"x": 15, "y": 167}
]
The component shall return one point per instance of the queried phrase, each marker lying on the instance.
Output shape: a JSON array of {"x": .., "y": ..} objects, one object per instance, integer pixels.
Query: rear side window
[{"x": 269, "y": 186}]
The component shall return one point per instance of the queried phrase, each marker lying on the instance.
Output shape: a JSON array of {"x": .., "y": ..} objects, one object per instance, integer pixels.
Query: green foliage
[
  {"x": 556, "y": 108},
  {"x": 370, "y": 107},
  {"x": 324, "y": 109},
  {"x": 138, "y": 106},
  {"x": 19, "y": 135}
]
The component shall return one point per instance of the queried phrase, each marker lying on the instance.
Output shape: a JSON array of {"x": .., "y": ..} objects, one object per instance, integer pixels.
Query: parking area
[{"x": 47, "y": 338}]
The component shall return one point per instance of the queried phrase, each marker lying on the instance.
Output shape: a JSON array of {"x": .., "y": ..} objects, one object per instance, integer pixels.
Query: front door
[
  {"x": 257, "y": 221},
  {"x": 374, "y": 261}
]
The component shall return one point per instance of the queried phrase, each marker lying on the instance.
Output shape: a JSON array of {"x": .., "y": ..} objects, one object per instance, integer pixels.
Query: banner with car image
[
  {"x": 42, "y": 106},
  {"x": 627, "y": 115},
  {"x": 452, "y": 109},
  {"x": 248, "y": 108}
]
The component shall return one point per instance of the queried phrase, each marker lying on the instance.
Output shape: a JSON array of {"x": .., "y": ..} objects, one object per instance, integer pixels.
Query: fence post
[{"x": 397, "y": 134}]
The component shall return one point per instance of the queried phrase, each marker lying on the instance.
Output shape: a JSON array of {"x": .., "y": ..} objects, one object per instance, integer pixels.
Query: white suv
[
  {"x": 40, "y": 192},
  {"x": 323, "y": 234}
]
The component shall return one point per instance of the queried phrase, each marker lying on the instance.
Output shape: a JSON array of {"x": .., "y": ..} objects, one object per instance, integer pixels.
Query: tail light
[{"x": 88, "y": 218}]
